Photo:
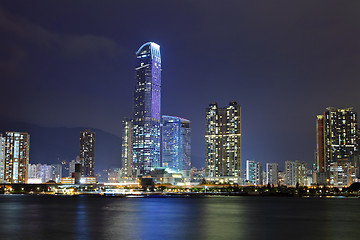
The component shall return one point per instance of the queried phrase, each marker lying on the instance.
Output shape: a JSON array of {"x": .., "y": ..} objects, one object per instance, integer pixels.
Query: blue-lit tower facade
[
  {"x": 176, "y": 143},
  {"x": 147, "y": 117}
]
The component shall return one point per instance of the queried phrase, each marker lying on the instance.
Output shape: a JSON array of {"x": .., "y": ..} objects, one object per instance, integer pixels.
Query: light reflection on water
[{"x": 89, "y": 217}]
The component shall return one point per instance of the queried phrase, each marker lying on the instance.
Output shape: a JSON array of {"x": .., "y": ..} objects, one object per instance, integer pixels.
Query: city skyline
[{"x": 280, "y": 75}]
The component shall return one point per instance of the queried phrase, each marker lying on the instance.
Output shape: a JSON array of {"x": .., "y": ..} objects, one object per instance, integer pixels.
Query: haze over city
[{"x": 70, "y": 66}]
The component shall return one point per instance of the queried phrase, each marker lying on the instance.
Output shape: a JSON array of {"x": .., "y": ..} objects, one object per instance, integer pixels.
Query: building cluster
[
  {"x": 337, "y": 150},
  {"x": 159, "y": 146},
  {"x": 15, "y": 166},
  {"x": 295, "y": 173},
  {"x": 153, "y": 145},
  {"x": 14, "y": 157},
  {"x": 337, "y": 156}
]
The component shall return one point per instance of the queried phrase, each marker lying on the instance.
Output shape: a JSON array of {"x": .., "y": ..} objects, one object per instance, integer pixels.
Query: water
[{"x": 95, "y": 217}]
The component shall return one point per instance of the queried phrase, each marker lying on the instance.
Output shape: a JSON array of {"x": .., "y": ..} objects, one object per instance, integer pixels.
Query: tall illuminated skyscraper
[
  {"x": 147, "y": 101},
  {"x": 126, "y": 145},
  {"x": 223, "y": 140},
  {"x": 17, "y": 146},
  {"x": 2, "y": 158},
  {"x": 176, "y": 148},
  {"x": 87, "y": 153},
  {"x": 337, "y": 137}
]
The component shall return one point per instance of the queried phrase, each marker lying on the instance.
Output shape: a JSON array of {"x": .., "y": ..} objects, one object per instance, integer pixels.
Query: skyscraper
[
  {"x": 176, "y": 140},
  {"x": 126, "y": 145},
  {"x": 17, "y": 146},
  {"x": 223, "y": 140},
  {"x": 87, "y": 153},
  {"x": 337, "y": 142},
  {"x": 147, "y": 101},
  {"x": 2, "y": 158},
  {"x": 251, "y": 171}
]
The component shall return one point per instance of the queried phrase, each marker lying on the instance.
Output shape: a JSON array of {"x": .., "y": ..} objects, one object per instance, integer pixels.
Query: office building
[
  {"x": 223, "y": 141},
  {"x": 87, "y": 153},
  {"x": 272, "y": 173},
  {"x": 147, "y": 101},
  {"x": 17, "y": 146},
  {"x": 126, "y": 148},
  {"x": 176, "y": 143},
  {"x": 251, "y": 171}
]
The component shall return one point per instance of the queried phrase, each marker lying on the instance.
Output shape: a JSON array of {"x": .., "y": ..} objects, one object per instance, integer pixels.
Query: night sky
[{"x": 69, "y": 65}]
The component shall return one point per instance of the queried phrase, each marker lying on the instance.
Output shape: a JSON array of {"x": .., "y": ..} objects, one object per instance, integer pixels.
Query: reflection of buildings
[
  {"x": 223, "y": 142},
  {"x": 337, "y": 142},
  {"x": 146, "y": 118},
  {"x": 16, "y": 157},
  {"x": 87, "y": 153},
  {"x": 176, "y": 148}
]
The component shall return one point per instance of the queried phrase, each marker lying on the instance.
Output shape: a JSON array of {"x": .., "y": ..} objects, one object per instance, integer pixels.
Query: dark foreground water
[{"x": 90, "y": 217}]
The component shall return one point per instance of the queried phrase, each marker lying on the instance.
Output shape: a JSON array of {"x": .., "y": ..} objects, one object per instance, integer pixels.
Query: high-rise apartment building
[
  {"x": 259, "y": 174},
  {"x": 290, "y": 173},
  {"x": 251, "y": 171},
  {"x": 17, "y": 146},
  {"x": 272, "y": 171},
  {"x": 72, "y": 165},
  {"x": 337, "y": 137},
  {"x": 320, "y": 144},
  {"x": 87, "y": 153},
  {"x": 176, "y": 143},
  {"x": 56, "y": 172},
  {"x": 337, "y": 143},
  {"x": 2, "y": 158},
  {"x": 223, "y": 140},
  {"x": 147, "y": 117},
  {"x": 126, "y": 148}
]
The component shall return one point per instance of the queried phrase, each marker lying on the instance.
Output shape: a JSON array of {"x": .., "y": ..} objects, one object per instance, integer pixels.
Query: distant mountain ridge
[{"x": 53, "y": 145}]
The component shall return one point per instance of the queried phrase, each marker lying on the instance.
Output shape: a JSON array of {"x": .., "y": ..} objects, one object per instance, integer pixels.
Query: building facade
[
  {"x": 147, "y": 103},
  {"x": 337, "y": 142},
  {"x": 272, "y": 171},
  {"x": 176, "y": 143},
  {"x": 87, "y": 153},
  {"x": 251, "y": 171},
  {"x": 126, "y": 148},
  {"x": 223, "y": 141},
  {"x": 290, "y": 173},
  {"x": 17, "y": 146},
  {"x": 295, "y": 173},
  {"x": 2, "y": 158},
  {"x": 259, "y": 174}
]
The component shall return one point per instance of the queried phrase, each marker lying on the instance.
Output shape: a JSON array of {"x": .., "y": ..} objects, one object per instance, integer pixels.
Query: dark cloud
[{"x": 68, "y": 45}]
